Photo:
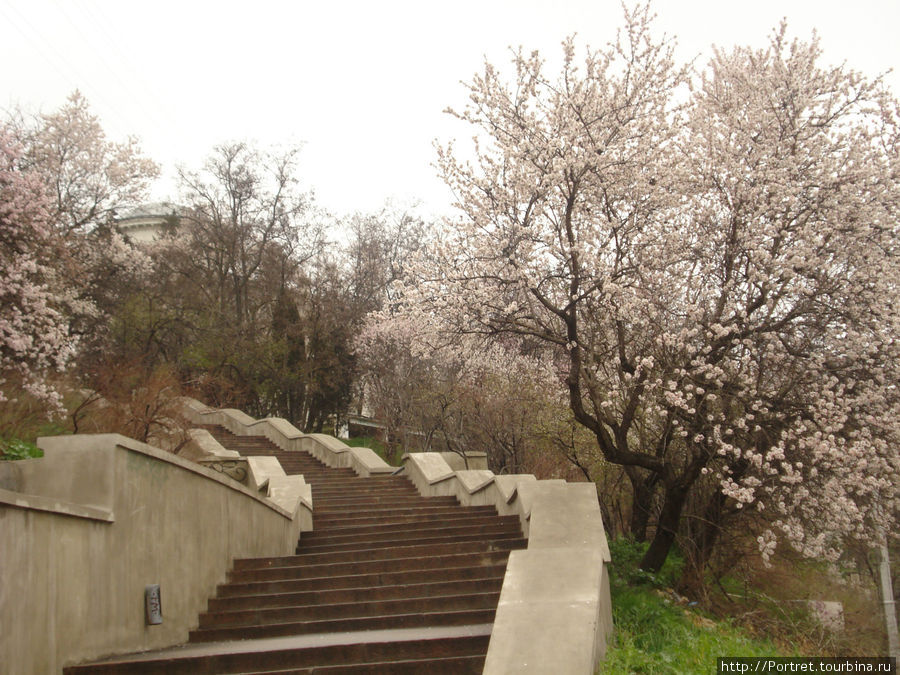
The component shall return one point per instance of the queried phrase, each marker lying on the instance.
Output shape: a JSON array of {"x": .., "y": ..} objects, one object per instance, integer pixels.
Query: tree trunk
[
  {"x": 705, "y": 531},
  {"x": 705, "y": 536},
  {"x": 666, "y": 529},
  {"x": 642, "y": 489}
]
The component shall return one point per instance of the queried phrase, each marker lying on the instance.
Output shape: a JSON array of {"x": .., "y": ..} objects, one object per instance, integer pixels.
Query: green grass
[
  {"x": 655, "y": 634},
  {"x": 655, "y": 637}
]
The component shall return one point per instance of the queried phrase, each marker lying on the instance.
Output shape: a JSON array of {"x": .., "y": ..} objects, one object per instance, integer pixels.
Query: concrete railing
[
  {"x": 327, "y": 449},
  {"x": 89, "y": 526},
  {"x": 555, "y": 613}
]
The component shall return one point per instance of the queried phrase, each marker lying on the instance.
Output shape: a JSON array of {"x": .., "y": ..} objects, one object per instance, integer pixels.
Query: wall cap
[
  {"x": 508, "y": 484},
  {"x": 433, "y": 467},
  {"x": 50, "y": 444},
  {"x": 38, "y": 503},
  {"x": 474, "y": 480}
]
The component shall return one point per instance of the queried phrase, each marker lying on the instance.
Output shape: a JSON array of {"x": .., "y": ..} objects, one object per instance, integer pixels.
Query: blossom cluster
[{"x": 34, "y": 336}]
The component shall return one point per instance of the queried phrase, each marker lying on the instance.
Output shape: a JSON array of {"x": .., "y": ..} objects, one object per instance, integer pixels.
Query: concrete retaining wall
[
  {"x": 86, "y": 528},
  {"x": 555, "y": 612}
]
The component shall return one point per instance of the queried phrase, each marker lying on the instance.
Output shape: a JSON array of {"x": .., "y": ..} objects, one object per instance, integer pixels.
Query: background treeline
[{"x": 250, "y": 297}]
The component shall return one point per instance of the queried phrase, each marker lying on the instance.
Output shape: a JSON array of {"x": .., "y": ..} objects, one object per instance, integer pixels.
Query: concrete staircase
[{"x": 388, "y": 582}]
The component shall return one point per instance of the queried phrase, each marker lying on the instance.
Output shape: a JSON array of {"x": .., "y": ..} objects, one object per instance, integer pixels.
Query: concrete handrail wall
[
  {"x": 555, "y": 612},
  {"x": 328, "y": 449},
  {"x": 87, "y": 527}
]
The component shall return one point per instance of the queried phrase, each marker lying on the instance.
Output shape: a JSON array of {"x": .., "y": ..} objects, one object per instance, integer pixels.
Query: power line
[
  {"x": 64, "y": 67},
  {"x": 138, "y": 91}
]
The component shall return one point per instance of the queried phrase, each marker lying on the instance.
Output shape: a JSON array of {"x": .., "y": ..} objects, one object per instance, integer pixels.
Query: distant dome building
[{"x": 146, "y": 223}]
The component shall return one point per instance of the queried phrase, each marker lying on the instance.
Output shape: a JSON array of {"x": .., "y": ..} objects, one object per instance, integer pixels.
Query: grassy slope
[
  {"x": 654, "y": 635},
  {"x": 657, "y": 632}
]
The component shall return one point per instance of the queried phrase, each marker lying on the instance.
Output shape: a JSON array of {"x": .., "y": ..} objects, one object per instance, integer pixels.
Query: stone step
[
  {"x": 457, "y": 524},
  {"x": 311, "y": 475},
  {"x": 368, "y": 593},
  {"x": 344, "y": 476},
  {"x": 493, "y": 570},
  {"x": 363, "y": 567},
  {"x": 378, "y": 480},
  {"x": 338, "y": 519},
  {"x": 328, "y": 481},
  {"x": 351, "y": 504},
  {"x": 417, "y": 537},
  {"x": 401, "y": 486},
  {"x": 407, "y": 524},
  {"x": 365, "y": 488},
  {"x": 451, "y": 665},
  {"x": 392, "y": 621},
  {"x": 375, "y": 509},
  {"x": 400, "y": 651},
  {"x": 351, "y": 495},
  {"x": 379, "y": 555},
  {"x": 308, "y": 464},
  {"x": 263, "y": 616}
]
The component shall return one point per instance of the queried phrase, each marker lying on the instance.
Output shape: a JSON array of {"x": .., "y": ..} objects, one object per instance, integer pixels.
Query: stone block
[
  {"x": 261, "y": 469},
  {"x": 529, "y": 490},
  {"x": 472, "y": 460},
  {"x": 278, "y": 430},
  {"x": 366, "y": 462},
  {"x": 549, "y": 611},
  {"x": 474, "y": 480},
  {"x": 294, "y": 495},
  {"x": 431, "y": 465},
  {"x": 830, "y": 614},
  {"x": 202, "y": 445},
  {"x": 567, "y": 516},
  {"x": 509, "y": 484}
]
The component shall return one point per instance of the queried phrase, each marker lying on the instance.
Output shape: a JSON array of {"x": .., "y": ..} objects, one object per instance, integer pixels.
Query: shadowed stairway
[{"x": 388, "y": 582}]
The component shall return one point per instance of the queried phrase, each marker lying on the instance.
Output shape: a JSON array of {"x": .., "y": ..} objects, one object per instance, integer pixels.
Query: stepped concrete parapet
[
  {"x": 328, "y": 449},
  {"x": 555, "y": 612}
]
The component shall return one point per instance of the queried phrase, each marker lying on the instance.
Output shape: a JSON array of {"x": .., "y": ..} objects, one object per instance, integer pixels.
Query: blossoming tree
[
  {"x": 33, "y": 335},
  {"x": 712, "y": 261},
  {"x": 462, "y": 395},
  {"x": 85, "y": 178}
]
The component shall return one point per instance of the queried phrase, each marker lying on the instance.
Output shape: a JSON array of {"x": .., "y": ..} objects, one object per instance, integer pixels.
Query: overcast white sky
[{"x": 362, "y": 85}]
